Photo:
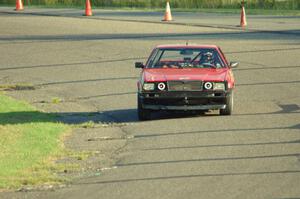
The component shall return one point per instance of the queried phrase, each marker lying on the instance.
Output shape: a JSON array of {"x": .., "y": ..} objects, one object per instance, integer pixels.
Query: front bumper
[{"x": 184, "y": 100}]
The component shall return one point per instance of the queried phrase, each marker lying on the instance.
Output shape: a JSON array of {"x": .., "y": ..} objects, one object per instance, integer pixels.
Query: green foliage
[
  {"x": 56, "y": 100},
  {"x": 261, "y": 4}
]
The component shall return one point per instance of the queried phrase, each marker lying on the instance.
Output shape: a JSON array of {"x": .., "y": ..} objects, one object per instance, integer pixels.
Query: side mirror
[
  {"x": 234, "y": 64},
  {"x": 139, "y": 65}
]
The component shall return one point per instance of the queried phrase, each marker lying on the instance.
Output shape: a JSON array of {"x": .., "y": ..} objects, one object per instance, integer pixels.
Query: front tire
[
  {"x": 143, "y": 114},
  {"x": 229, "y": 105}
]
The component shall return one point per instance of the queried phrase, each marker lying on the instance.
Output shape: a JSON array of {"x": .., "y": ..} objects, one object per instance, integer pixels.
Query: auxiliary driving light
[
  {"x": 219, "y": 86},
  {"x": 148, "y": 86},
  {"x": 208, "y": 85},
  {"x": 161, "y": 86}
]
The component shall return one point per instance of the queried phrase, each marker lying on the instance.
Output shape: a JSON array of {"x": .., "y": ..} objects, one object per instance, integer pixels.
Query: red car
[{"x": 185, "y": 77}]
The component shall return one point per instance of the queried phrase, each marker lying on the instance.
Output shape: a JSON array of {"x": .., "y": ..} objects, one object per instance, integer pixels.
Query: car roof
[{"x": 172, "y": 46}]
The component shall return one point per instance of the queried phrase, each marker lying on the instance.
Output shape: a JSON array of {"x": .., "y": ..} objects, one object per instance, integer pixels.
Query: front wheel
[
  {"x": 143, "y": 114},
  {"x": 229, "y": 105}
]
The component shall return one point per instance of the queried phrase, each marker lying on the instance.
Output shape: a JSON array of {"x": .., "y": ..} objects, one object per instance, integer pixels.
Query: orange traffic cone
[
  {"x": 88, "y": 8},
  {"x": 168, "y": 15},
  {"x": 243, "y": 23},
  {"x": 19, "y": 5}
]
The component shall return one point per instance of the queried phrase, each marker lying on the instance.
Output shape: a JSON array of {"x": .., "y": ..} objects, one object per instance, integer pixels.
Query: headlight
[
  {"x": 148, "y": 86},
  {"x": 208, "y": 85},
  {"x": 161, "y": 86},
  {"x": 219, "y": 86}
]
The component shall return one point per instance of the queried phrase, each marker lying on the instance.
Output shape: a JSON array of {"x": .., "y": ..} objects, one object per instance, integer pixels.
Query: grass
[
  {"x": 56, "y": 100},
  {"x": 29, "y": 140},
  {"x": 87, "y": 125}
]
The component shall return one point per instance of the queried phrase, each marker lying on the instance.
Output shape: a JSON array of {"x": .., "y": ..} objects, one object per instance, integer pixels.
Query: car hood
[{"x": 161, "y": 75}]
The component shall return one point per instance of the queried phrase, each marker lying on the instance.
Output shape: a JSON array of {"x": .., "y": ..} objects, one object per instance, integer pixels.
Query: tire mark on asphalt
[
  {"x": 136, "y": 78},
  {"x": 88, "y": 80},
  {"x": 190, "y": 176},
  {"x": 105, "y": 95},
  {"x": 135, "y": 36},
  {"x": 296, "y": 155},
  {"x": 265, "y": 68},
  {"x": 72, "y": 64},
  {"x": 222, "y": 145},
  {"x": 259, "y": 130},
  {"x": 263, "y": 50},
  {"x": 267, "y": 83}
]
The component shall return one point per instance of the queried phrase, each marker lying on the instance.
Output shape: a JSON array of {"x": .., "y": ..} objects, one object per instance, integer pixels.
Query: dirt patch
[{"x": 103, "y": 145}]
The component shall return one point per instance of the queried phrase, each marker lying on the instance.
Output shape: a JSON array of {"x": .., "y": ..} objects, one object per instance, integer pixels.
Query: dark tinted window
[{"x": 186, "y": 58}]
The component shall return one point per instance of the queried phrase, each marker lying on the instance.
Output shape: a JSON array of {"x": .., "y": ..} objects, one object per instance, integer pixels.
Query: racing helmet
[{"x": 207, "y": 57}]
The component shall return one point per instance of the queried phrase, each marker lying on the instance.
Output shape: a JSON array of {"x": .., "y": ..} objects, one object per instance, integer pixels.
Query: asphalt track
[{"x": 89, "y": 64}]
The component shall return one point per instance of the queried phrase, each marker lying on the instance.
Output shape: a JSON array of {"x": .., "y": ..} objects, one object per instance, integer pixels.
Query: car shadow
[
  {"x": 111, "y": 116},
  {"x": 119, "y": 115}
]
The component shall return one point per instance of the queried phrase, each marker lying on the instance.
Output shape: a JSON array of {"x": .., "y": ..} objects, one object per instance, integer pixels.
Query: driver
[{"x": 207, "y": 59}]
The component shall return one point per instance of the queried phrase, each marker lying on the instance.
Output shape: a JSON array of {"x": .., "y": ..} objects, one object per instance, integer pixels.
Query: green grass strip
[{"x": 29, "y": 141}]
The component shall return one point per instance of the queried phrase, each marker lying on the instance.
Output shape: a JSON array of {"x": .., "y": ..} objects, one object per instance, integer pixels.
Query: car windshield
[{"x": 186, "y": 58}]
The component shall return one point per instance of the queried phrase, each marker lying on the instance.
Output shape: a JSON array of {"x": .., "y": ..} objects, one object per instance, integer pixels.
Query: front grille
[
  {"x": 183, "y": 101},
  {"x": 184, "y": 85}
]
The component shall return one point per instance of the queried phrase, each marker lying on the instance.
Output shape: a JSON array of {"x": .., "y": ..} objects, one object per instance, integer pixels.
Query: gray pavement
[
  {"x": 231, "y": 21},
  {"x": 89, "y": 65}
]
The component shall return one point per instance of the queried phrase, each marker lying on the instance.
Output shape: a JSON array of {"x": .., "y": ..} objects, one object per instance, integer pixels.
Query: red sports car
[{"x": 185, "y": 77}]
